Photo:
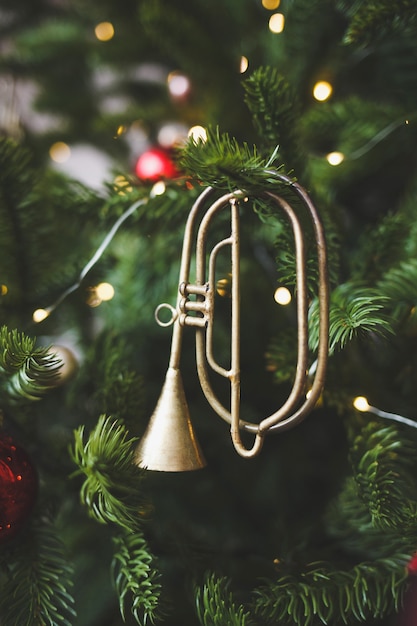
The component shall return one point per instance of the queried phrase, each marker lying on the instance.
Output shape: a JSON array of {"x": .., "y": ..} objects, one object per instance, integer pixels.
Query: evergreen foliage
[
  {"x": 276, "y": 114},
  {"x": 354, "y": 310},
  {"x": 216, "y": 606},
  {"x": 368, "y": 590},
  {"x": 36, "y": 580},
  {"x": 27, "y": 372},
  {"x": 108, "y": 450},
  {"x": 326, "y": 517},
  {"x": 134, "y": 575}
]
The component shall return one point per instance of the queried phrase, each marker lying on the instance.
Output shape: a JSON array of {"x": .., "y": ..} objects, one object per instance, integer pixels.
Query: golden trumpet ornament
[{"x": 169, "y": 443}]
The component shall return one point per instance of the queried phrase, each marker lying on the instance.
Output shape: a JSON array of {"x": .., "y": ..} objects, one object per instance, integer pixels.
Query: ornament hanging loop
[{"x": 195, "y": 308}]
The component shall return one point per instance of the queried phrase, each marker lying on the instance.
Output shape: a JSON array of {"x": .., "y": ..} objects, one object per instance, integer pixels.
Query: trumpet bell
[{"x": 169, "y": 443}]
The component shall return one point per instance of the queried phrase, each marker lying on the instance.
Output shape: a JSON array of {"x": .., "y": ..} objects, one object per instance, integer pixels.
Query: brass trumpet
[{"x": 169, "y": 442}]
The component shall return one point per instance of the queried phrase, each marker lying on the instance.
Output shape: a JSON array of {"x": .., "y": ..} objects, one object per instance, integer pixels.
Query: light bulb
[
  {"x": 271, "y": 5},
  {"x": 282, "y": 296},
  {"x": 276, "y": 23},
  {"x": 158, "y": 189},
  {"x": 178, "y": 84},
  {"x": 198, "y": 133},
  {"x": 104, "y": 31},
  {"x": 105, "y": 291},
  {"x": 60, "y": 152},
  {"x": 39, "y": 315},
  {"x": 361, "y": 404},
  {"x": 335, "y": 158},
  {"x": 244, "y": 64},
  {"x": 322, "y": 90}
]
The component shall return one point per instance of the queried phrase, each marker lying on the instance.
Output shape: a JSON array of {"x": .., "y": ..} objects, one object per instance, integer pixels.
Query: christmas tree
[{"x": 114, "y": 118}]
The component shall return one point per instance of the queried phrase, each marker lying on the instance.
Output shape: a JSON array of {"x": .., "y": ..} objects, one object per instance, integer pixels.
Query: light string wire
[
  {"x": 361, "y": 404},
  {"x": 96, "y": 256},
  {"x": 380, "y": 136}
]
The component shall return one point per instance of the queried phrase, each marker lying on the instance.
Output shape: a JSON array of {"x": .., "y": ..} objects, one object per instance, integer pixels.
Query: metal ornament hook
[{"x": 195, "y": 308}]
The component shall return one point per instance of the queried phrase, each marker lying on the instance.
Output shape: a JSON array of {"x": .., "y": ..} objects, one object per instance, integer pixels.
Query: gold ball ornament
[{"x": 69, "y": 363}]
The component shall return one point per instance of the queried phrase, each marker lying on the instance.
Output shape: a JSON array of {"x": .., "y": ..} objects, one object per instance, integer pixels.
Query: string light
[
  {"x": 322, "y": 90},
  {"x": 276, "y": 23},
  {"x": 361, "y": 404},
  {"x": 60, "y": 152},
  {"x": 171, "y": 134},
  {"x": 178, "y": 84},
  {"x": 158, "y": 189},
  {"x": 198, "y": 133},
  {"x": 40, "y": 314},
  {"x": 271, "y": 5},
  {"x": 282, "y": 296},
  {"x": 244, "y": 64},
  {"x": 3, "y": 290},
  {"x": 104, "y": 31},
  {"x": 105, "y": 291},
  {"x": 101, "y": 293},
  {"x": 335, "y": 158}
]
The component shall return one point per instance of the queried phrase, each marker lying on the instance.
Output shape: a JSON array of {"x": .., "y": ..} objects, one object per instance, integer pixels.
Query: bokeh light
[
  {"x": 335, "y": 158},
  {"x": 271, "y": 5},
  {"x": 104, "y": 31},
  {"x": 105, "y": 291},
  {"x": 224, "y": 287},
  {"x": 60, "y": 152},
  {"x": 198, "y": 133},
  {"x": 178, "y": 84},
  {"x": 322, "y": 90},
  {"x": 39, "y": 315},
  {"x": 361, "y": 403},
  {"x": 244, "y": 64},
  {"x": 158, "y": 189},
  {"x": 276, "y": 23},
  {"x": 282, "y": 296}
]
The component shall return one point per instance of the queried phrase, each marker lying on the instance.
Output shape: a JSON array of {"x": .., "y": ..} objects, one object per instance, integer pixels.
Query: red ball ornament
[
  {"x": 155, "y": 164},
  {"x": 18, "y": 487},
  {"x": 412, "y": 565}
]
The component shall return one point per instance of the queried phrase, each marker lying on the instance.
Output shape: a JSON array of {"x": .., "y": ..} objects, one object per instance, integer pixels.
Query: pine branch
[
  {"x": 276, "y": 113},
  {"x": 36, "y": 591},
  {"x": 349, "y": 521},
  {"x": 378, "y": 18},
  {"x": 216, "y": 607},
  {"x": 399, "y": 285},
  {"x": 111, "y": 484},
  {"x": 135, "y": 579},
  {"x": 380, "y": 247},
  {"x": 354, "y": 311},
  {"x": 382, "y": 460},
  {"x": 368, "y": 590},
  {"x": 26, "y": 372},
  {"x": 224, "y": 163}
]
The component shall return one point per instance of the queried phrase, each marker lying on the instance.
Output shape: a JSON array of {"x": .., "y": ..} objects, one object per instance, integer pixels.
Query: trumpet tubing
[{"x": 195, "y": 308}]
